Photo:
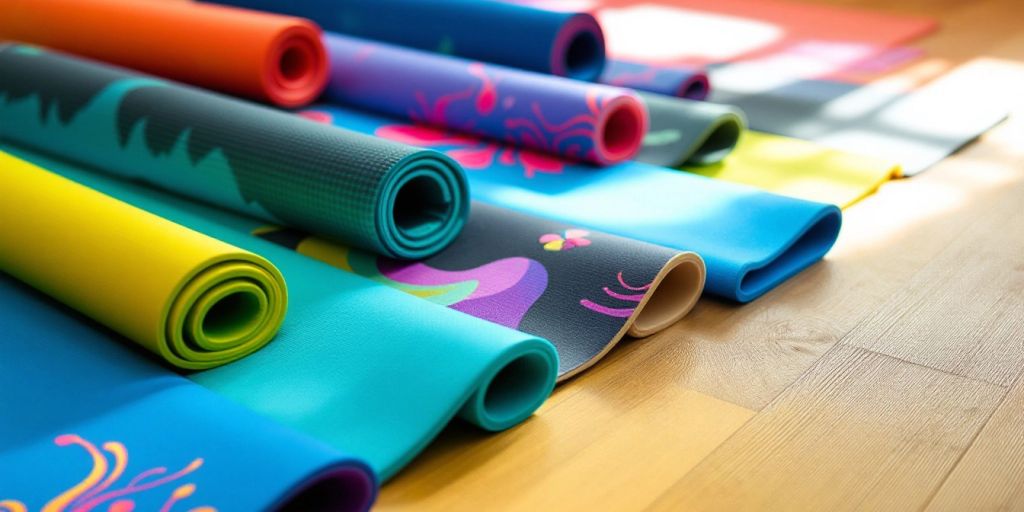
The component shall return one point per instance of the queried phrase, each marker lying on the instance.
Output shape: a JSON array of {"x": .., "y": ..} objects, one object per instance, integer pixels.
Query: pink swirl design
[{"x": 618, "y": 312}]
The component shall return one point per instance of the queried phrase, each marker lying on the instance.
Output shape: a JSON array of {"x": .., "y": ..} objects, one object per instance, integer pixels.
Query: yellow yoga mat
[
  {"x": 802, "y": 169},
  {"x": 192, "y": 299}
]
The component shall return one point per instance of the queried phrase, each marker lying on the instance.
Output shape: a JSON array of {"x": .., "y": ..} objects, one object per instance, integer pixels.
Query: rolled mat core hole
[
  {"x": 232, "y": 317},
  {"x": 695, "y": 90},
  {"x": 516, "y": 387},
  {"x": 295, "y": 63},
  {"x": 676, "y": 293},
  {"x": 582, "y": 57},
  {"x": 721, "y": 140},
  {"x": 340, "y": 489},
  {"x": 621, "y": 132},
  {"x": 421, "y": 207}
]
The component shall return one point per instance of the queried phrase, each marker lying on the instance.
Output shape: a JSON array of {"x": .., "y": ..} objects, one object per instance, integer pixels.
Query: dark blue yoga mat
[
  {"x": 94, "y": 422},
  {"x": 561, "y": 43}
]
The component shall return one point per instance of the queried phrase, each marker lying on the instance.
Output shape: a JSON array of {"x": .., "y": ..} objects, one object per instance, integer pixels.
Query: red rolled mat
[{"x": 268, "y": 57}]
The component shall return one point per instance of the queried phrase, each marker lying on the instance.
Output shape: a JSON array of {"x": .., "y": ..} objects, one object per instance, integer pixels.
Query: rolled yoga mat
[
  {"x": 689, "y": 132},
  {"x": 594, "y": 123},
  {"x": 751, "y": 240},
  {"x": 368, "y": 369},
  {"x": 580, "y": 289},
  {"x": 267, "y": 57},
  {"x": 567, "y": 44},
  {"x": 194, "y": 301},
  {"x": 799, "y": 168},
  {"x": 94, "y": 425},
  {"x": 689, "y": 82},
  {"x": 374, "y": 194}
]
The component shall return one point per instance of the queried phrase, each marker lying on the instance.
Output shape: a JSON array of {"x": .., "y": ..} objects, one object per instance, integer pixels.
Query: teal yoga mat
[
  {"x": 367, "y": 369},
  {"x": 388, "y": 198},
  {"x": 751, "y": 240}
]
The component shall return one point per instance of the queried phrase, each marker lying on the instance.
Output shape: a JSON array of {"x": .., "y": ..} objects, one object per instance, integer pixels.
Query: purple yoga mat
[
  {"x": 679, "y": 81},
  {"x": 582, "y": 121}
]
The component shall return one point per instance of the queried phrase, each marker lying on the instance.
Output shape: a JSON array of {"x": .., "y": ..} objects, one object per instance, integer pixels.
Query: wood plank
[
  {"x": 573, "y": 454},
  {"x": 991, "y": 475},
  {"x": 964, "y": 312},
  {"x": 859, "y": 431}
]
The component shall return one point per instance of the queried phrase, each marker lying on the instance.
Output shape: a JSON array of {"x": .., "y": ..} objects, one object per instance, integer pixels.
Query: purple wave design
[
  {"x": 576, "y": 120},
  {"x": 507, "y": 288}
]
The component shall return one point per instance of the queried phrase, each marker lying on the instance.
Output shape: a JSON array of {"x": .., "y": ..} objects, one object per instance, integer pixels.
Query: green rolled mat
[
  {"x": 366, "y": 368},
  {"x": 378, "y": 195},
  {"x": 689, "y": 132}
]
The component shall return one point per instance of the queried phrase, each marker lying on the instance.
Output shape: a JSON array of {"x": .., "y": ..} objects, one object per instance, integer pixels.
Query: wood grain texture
[
  {"x": 991, "y": 475},
  {"x": 584, "y": 438},
  {"x": 872, "y": 380},
  {"x": 859, "y": 431},
  {"x": 963, "y": 312}
]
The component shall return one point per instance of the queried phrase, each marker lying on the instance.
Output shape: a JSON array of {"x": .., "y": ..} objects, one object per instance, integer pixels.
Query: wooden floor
[{"x": 888, "y": 377}]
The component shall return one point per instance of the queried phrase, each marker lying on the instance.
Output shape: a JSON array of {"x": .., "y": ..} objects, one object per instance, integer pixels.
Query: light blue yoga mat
[{"x": 750, "y": 240}]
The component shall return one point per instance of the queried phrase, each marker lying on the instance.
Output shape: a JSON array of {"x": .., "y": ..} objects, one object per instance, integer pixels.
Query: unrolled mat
[
  {"x": 915, "y": 117},
  {"x": 268, "y": 57},
  {"x": 91, "y": 424},
  {"x": 561, "y": 43},
  {"x": 689, "y": 132},
  {"x": 688, "y": 82},
  {"x": 368, "y": 369},
  {"x": 799, "y": 168},
  {"x": 703, "y": 32},
  {"x": 374, "y": 194},
  {"x": 591, "y": 122},
  {"x": 191, "y": 299},
  {"x": 580, "y": 289},
  {"x": 751, "y": 240}
]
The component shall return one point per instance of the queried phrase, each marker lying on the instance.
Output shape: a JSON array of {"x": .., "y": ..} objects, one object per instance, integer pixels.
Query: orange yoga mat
[{"x": 268, "y": 57}]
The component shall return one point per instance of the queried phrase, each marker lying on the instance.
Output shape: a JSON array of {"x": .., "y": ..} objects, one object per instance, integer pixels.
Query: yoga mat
[
  {"x": 689, "y": 132},
  {"x": 91, "y": 424},
  {"x": 368, "y": 369},
  {"x": 373, "y": 194},
  {"x": 194, "y": 301},
  {"x": 560, "y": 43},
  {"x": 594, "y": 123},
  {"x": 703, "y": 32},
  {"x": 798, "y": 168},
  {"x": 909, "y": 117},
  {"x": 580, "y": 289},
  {"x": 267, "y": 57},
  {"x": 680, "y": 81},
  {"x": 750, "y": 240}
]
